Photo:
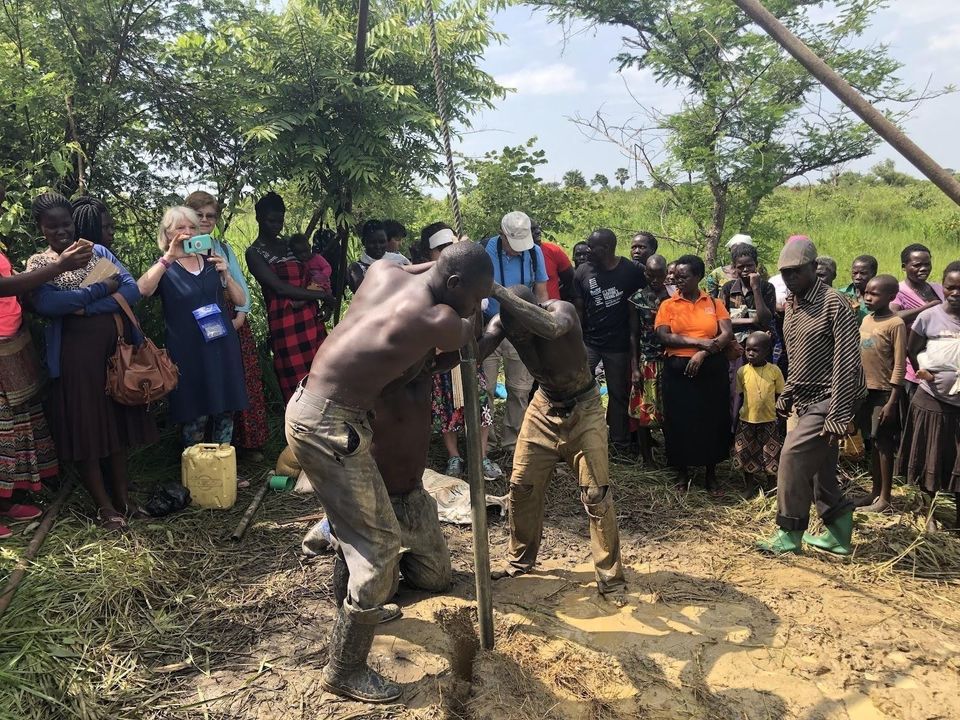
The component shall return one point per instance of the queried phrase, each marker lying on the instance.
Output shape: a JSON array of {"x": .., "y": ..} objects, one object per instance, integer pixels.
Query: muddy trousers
[
  {"x": 332, "y": 444},
  {"x": 579, "y": 437},
  {"x": 808, "y": 473},
  {"x": 425, "y": 558}
]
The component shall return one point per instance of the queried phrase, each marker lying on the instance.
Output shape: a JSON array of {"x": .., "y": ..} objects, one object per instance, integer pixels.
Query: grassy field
[{"x": 843, "y": 222}]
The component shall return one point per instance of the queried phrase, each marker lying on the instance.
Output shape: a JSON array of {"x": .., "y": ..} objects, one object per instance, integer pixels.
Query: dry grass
[{"x": 120, "y": 627}]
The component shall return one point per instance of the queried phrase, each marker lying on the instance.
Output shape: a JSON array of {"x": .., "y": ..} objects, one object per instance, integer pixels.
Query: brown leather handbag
[{"x": 138, "y": 375}]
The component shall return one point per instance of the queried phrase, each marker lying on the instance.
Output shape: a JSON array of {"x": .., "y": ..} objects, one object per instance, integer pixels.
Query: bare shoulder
[
  {"x": 566, "y": 315},
  {"x": 560, "y": 308}
]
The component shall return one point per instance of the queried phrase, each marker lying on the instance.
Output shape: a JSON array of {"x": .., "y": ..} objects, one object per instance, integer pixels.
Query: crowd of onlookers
[{"x": 653, "y": 329}]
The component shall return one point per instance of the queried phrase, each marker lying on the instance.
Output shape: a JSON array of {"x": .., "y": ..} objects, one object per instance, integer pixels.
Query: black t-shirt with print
[{"x": 606, "y": 306}]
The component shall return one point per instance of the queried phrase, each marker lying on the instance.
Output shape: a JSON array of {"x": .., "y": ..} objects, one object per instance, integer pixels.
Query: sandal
[
  {"x": 135, "y": 512},
  {"x": 111, "y": 521}
]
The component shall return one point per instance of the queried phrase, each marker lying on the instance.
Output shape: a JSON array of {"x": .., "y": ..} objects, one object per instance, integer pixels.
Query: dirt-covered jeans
[
  {"x": 425, "y": 559},
  {"x": 332, "y": 444},
  {"x": 577, "y": 435}
]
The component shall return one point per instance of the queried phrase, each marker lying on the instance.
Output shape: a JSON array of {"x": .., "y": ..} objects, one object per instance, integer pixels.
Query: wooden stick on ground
[
  {"x": 20, "y": 570},
  {"x": 247, "y": 518}
]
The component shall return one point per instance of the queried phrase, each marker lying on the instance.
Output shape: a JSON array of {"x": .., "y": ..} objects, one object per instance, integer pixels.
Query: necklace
[
  {"x": 184, "y": 265},
  {"x": 759, "y": 381}
]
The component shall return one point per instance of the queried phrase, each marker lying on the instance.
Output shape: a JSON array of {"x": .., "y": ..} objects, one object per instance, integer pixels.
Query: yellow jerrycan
[{"x": 209, "y": 472}]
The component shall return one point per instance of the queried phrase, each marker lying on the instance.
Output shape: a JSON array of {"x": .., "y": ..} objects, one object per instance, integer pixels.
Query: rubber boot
[
  {"x": 837, "y": 538},
  {"x": 346, "y": 673},
  {"x": 341, "y": 578},
  {"x": 782, "y": 542}
]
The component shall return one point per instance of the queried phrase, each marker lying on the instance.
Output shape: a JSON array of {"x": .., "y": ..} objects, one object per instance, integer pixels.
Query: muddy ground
[{"x": 710, "y": 629}]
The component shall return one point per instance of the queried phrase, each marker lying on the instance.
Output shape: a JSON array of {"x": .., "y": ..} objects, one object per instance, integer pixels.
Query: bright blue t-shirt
[{"x": 519, "y": 269}]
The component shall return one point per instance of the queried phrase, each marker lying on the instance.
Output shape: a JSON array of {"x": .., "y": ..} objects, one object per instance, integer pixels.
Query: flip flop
[{"x": 114, "y": 522}]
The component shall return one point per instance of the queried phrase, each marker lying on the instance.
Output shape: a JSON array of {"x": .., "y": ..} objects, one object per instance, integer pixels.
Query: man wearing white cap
[{"x": 516, "y": 261}]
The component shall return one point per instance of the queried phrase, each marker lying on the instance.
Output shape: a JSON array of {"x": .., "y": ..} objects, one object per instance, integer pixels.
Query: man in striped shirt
[{"x": 824, "y": 388}]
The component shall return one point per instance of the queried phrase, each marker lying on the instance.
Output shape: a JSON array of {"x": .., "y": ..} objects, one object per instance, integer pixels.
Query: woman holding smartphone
[
  {"x": 250, "y": 425},
  {"x": 88, "y": 427},
  {"x": 197, "y": 292}
]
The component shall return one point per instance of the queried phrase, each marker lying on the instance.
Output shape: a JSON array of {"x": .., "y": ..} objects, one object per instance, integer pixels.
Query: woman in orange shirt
[{"x": 696, "y": 329}]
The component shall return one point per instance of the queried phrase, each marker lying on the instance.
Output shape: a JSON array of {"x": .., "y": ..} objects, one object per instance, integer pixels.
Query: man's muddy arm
[
  {"x": 446, "y": 361},
  {"x": 491, "y": 339},
  {"x": 534, "y": 318}
]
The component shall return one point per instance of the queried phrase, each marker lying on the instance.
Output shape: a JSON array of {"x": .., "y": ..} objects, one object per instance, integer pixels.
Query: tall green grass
[{"x": 844, "y": 222}]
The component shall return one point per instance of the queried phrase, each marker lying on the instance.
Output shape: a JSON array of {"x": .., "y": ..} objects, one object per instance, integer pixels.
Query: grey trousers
[
  {"x": 425, "y": 559},
  {"x": 332, "y": 444},
  {"x": 518, "y": 381},
  {"x": 808, "y": 473}
]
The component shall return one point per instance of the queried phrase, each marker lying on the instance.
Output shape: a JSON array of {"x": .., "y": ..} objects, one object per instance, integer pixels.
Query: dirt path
[{"x": 709, "y": 630}]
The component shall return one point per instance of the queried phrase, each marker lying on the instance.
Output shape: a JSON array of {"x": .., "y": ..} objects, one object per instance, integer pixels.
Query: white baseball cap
[
  {"x": 739, "y": 239},
  {"x": 516, "y": 229},
  {"x": 441, "y": 237}
]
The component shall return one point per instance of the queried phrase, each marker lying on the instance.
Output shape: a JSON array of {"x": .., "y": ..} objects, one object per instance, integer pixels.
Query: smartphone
[{"x": 198, "y": 244}]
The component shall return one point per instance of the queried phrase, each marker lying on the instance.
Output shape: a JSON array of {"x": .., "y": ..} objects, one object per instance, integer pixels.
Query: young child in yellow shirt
[{"x": 758, "y": 442}]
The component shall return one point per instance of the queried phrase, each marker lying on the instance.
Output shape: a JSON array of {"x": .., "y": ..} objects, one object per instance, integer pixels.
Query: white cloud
[
  {"x": 917, "y": 12},
  {"x": 553, "y": 79},
  {"x": 948, "y": 40}
]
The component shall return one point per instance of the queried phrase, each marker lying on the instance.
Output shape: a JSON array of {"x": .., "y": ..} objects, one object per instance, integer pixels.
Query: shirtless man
[
  {"x": 402, "y": 426},
  {"x": 564, "y": 421},
  {"x": 397, "y": 320}
]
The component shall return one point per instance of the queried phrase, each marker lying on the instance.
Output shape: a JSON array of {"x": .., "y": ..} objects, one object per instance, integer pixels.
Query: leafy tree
[
  {"x": 574, "y": 179},
  {"x": 752, "y": 118},
  {"x": 622, "y": 175},
  {"x": 885, "y": 173},
  {"x": 338, "y": 135},
  {"x": 601, "y": 181},
  {"x": 506, "y": 180}
]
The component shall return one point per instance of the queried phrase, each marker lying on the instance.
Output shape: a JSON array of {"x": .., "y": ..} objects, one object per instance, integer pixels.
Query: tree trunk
[
  {"x": 315, "y": 219},
  {"x": 718, "y": 219},
  {"x": 343, "y": 208}
]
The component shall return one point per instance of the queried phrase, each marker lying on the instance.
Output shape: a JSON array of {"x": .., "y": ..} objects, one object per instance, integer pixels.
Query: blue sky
[{"x": 557, "y": 79}]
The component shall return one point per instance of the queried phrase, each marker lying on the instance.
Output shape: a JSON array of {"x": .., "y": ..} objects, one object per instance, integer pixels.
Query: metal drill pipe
[
  {"x": 478, "y": 495},
  {"x": 851, "y": 98}
]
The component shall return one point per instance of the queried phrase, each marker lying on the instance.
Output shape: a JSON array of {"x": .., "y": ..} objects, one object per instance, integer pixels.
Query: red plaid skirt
[{"x": 296, "y": 331}]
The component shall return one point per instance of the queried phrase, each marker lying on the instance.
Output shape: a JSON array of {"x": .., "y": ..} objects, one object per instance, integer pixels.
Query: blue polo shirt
[{"x": 517, "y": 270}]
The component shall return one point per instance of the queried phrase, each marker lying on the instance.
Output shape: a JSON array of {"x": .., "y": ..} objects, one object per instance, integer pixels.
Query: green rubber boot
[
  {"x": 837, "y": 538},
  {"x": 782, "y": 543}
]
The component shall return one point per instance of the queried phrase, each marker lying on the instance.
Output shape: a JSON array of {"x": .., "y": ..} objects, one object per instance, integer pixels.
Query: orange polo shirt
[{"x": 699, "y": 319}]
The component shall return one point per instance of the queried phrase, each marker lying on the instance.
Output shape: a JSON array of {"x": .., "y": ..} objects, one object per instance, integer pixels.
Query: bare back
[
  {"x": 393, "y": 324},
  {"x": 559, "y": 364}
]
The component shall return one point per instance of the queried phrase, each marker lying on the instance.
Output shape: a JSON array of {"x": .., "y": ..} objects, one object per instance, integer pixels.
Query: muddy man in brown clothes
[
  {"x": 397, "y": 320},
  {"x": 564, "y": 421}
]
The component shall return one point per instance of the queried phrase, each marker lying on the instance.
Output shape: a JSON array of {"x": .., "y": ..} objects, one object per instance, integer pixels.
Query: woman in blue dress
[{"x": 197, "y": 292}]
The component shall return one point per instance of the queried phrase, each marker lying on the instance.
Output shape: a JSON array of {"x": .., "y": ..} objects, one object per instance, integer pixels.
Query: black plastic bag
[{"x": 167, "y": 499}]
